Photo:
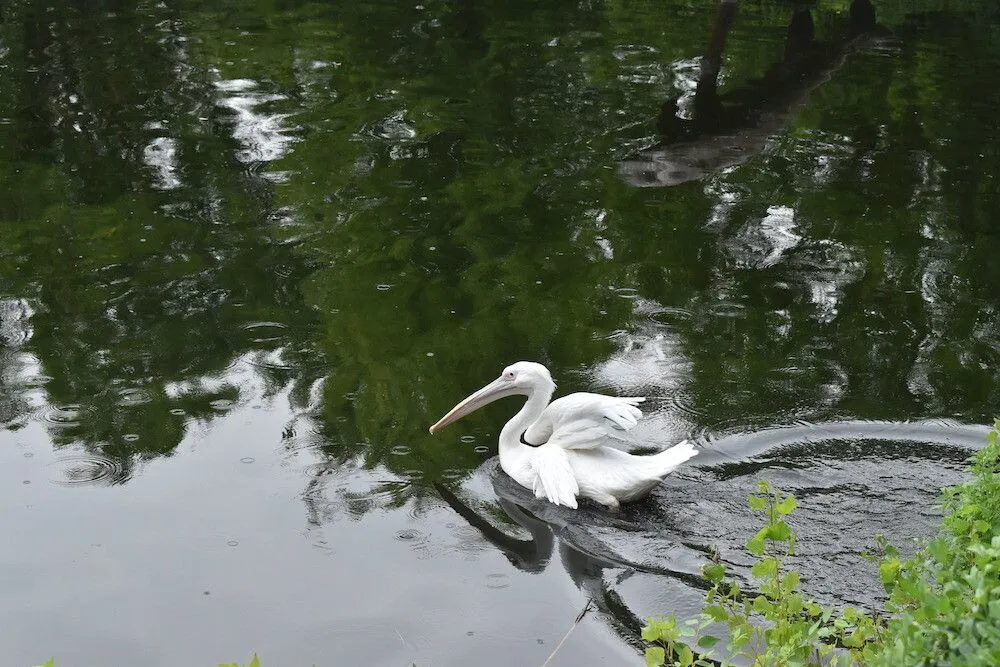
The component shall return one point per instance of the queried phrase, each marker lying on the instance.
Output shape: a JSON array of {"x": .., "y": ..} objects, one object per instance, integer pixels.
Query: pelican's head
[{"x": 523, "y": 377}]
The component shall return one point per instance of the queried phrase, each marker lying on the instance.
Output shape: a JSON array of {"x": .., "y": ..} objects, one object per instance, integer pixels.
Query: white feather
[
  {"x": 585, "y": 421},
  {"x": 554, "y": 478}
]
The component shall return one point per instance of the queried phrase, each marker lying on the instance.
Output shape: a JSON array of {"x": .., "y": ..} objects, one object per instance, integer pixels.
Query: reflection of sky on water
[
  {"x": 160, "y": 155},
  {"x": 649, "y": 361},
  {"x": 263, "y": 134},
  {"x": 20, "y": 370},
  {"x": 761, "y": 243}
]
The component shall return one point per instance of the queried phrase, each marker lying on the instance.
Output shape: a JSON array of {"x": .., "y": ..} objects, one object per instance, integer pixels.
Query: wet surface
[{"x": 248, "y": 255}]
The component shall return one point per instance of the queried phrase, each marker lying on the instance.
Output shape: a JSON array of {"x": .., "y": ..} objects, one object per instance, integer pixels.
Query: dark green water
[{"x": 250, "y": 251}]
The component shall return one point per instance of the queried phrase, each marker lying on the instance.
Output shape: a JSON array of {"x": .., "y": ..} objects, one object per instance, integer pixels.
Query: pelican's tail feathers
[{"x": 669, "y": 459}]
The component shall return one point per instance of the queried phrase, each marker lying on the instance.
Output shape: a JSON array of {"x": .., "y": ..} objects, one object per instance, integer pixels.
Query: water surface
[{"x": 249, "y": 252}]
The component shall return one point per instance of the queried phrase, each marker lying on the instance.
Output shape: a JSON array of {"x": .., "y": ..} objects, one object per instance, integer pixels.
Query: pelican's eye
[{"x": 509, "y": 375}]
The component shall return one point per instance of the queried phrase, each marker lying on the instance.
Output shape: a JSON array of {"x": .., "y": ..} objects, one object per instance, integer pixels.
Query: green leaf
[
  {"x": 256, "y": 661},
  {"x": 779, "y": 531},
  {"x": 853, "y": 640},
  {"x": 655, "y": 656},
  {"x": 669, "y": 631},
  {"x": 684, "y": 656},
  {"x": 756, "y": 543},
  {"x": 708, "y": 641},
  {"x": 765, "y": 568},
  {"x": 661, "y": 629},
  {"x": 757, "y": 503},
  {"x": 888, "y": 571},
  {"x": 714, "y": 572},
  {"x": 717, "y": 612},
  {"x": 738, "y": 639},
  {"x": 787, "y": 506},
  {"x": 762, "y": 605}
]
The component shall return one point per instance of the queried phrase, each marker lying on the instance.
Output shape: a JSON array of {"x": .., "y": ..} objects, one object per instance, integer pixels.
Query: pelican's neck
[{"x": 538, "y": 399}]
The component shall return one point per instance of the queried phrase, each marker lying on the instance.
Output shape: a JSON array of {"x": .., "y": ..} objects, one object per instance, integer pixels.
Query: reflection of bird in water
[
  {"x": 15, "y": 322},
  {"x": 583, "y": 556},
  {"x": 563, "y": 449}
]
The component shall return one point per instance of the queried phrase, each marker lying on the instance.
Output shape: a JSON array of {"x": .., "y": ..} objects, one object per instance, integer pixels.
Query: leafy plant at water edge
[
  {"x": 775, "y": 626},
  {"x": 945, "y": 600}
]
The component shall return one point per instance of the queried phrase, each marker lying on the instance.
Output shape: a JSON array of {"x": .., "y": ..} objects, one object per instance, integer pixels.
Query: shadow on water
[
  {"x": 854, "y": 479},
  {"x": 710, "y": 131}
]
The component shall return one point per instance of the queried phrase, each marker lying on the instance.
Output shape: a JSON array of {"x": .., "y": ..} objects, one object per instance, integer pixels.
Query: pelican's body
[{"x": 560, "y": 450}]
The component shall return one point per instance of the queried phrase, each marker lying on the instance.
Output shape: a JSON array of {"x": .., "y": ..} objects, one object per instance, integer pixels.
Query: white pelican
[{"x": 560, "y": 450}]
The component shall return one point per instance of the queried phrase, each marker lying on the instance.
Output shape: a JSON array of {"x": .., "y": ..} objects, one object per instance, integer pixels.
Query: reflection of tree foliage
[
  {"x": 143, "y": 295},
  {"x": 877, "y": 179},
  {"x": 451, "y": 204}
]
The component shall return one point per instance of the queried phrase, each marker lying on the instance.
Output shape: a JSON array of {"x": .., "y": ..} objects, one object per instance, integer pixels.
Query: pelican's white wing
[
  {"x": 554, "y": 478},
  {"x": 585, "y": 421}
]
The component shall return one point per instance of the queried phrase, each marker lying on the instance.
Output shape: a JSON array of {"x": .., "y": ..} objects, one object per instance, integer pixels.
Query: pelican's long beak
[{"x": 497, "y": 389}]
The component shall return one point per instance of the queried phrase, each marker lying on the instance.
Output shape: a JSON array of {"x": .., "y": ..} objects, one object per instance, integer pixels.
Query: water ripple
[
  {"x": 748, "y": 444},
  {"x": 265, "y": 332},
  {"x": 89, "y": 468},
  {"x": 63, "y": 416},
  {"x": 133, "y": 396}
]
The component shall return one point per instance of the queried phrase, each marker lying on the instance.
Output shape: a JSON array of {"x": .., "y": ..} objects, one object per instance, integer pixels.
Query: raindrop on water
[{"x": 408, "y": 534}]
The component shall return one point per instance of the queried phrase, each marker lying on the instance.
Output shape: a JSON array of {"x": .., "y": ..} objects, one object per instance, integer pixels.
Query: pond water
[{"x": 250, "y": 251}]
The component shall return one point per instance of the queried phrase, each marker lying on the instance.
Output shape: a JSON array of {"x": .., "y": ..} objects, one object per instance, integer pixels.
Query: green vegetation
[
  {"x": 776, "y": 625},
  {"x": 944, "y": 601}
]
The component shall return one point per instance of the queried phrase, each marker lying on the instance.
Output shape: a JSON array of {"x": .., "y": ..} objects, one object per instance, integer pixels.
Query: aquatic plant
[{"x": 944, "y": 602}]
